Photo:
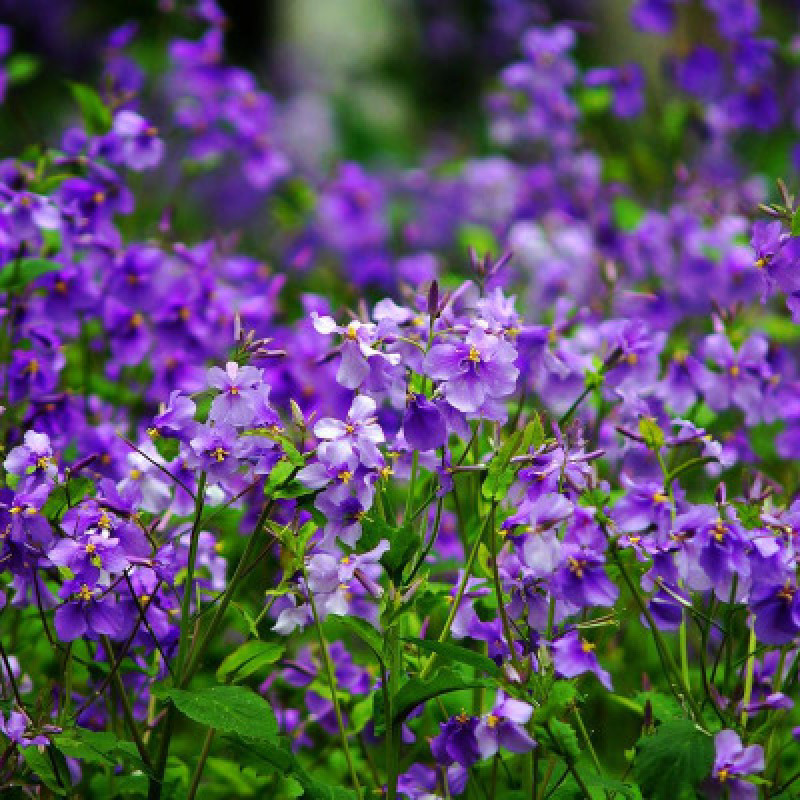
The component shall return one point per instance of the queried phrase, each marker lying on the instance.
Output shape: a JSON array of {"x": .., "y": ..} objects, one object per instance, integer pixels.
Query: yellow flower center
[
  {"x": 104, "y": 522},
  {"x": 632, "y": 359},
  {"x": 734, "y": 371},
  {"x": 220, "y": 454},
  {"x": 576, "y": 567},
  {"x": 492, "y": 720},
  {"x": 722, "y": 775},
  {"x": 85, "y": 593},
  {"x": 587, "y": 647},
  {"x": 349, "y": 428},
  {"x": 345, "y": 476},
  {"x": 90, "y": 549},
  {"x": 659, "y": 498},
  {"x": 136, "y": 474},
  {"x": 474, "y": 355}
]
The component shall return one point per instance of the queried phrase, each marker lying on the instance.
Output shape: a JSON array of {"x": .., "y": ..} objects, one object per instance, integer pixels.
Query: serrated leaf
[
  {"x": 248, "y": 659},
  {"x": 564, "y": 738},
  {"x": 457, "y": 653},
  {"x": 18, "y": 276},
  {"x": 560, "y": 696},
  {"x": 230, "y": 709},
  {"x": 678, "y": 756}
]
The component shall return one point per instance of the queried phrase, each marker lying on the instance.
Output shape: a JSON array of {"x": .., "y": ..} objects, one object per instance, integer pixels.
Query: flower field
[{"x": 399, "y": 399}]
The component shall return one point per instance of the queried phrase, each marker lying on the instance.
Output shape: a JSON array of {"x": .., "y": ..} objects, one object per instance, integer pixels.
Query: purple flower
[
  {"x": 33, "y": 459},
  {"x": 457, "y": 742},
  {"x": 88, "y": 610},
  {"x": 234, "y": 405},
  {"x": 214, "y": 450},
  {"x": 626, "y": 84},
  {"x": 504, "y": 726},
  {"x": 17, "y": 728},
  {"x": 573, "y": 656},
  {"x": 732, "y": 762},
  {"x": 424, "y": 426},
  {"x": 139, "y": 144},
  {"x": 777, "y": 610},
  {"x": 478, "y": 371},
  {"x": 654, "y": 16},
  {"x": 360, "y": 430}
]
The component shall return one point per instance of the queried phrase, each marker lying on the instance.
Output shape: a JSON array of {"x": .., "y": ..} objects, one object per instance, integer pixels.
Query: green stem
[
  {"x": 183, "y": 641},
  {"x": 499, "y": 592},
  {"x": 227, "y": 596},
  {"x": 201, "y": 763},
  {"x": 127, "y": 711},
  {"x": 334, "y": 691},
  {"x": 412, "y": 487},
  {"x": 682, "y": 638},
  {"x": 667, "y": 659},
  {"x": 748, "y": 681},
  {"x": 587, "y": 741},
  {"x": 426, "y": 670}
]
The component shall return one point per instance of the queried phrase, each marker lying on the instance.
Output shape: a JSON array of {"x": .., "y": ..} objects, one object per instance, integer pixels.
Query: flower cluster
[{"x": 471, "y": 476}]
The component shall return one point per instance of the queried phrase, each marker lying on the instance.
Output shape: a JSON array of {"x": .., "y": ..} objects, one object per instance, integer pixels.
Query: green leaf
[
  {"x": 91, "y": 746},
  {"x": 675, "y": 758},
  {"x": 501, "y": 474},
  {"x": 371, "y": 637},
  {"x": 279, "y": 758},
  {"x": 404, "y": 544},
  {"x": 665, "y": 706},
  {"x": 21, "y": 68},
  {"x": 249, "y": 658},
  {"x": 594, "y": 99},
  {"x": 415, "y": 691},
  {"x": 477, "y": 238},
  {"x": 230, "y": 709},
  {"x": 40, "y": 764},
  {"x": 96, "y": 115},
  {"x": 796, "y": 223},
  {"x": 749, "y": 515},
  {"x": 627, "y": 213},
  {"x": 67, "y": 495},
  {"x": 563, "y": 737},
  {"x": 560, "y": 696},
  {"x": 607, "y": 785},
  {"x": 652, "y": 434},
  {"x": 455, "y": 652},
  {"x": 18, "y": 275}
]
